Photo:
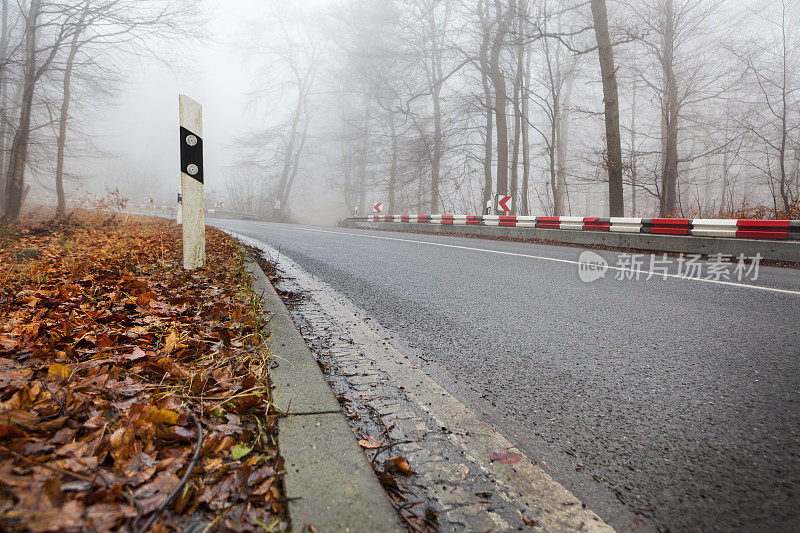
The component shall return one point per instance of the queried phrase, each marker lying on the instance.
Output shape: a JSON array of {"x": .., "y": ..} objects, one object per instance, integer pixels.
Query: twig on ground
[{"x": 154, "y": 516}]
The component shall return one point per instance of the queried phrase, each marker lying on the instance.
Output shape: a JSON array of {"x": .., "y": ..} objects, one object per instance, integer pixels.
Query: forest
[
  {"x": 649, "y": 108},
  {"x": 671, "y": 108}
]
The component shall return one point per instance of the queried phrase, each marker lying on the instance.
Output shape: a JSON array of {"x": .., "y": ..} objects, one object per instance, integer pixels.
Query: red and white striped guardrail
[{"x": 698, "y": 227}]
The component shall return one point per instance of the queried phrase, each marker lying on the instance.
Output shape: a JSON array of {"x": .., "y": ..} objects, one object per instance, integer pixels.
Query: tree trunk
[
  {"x": 3, "y": 103},
  {"x": 296, "y": 160},
  {"x": 526, "y": 157},
  {"x": 562, "y": 145},
  {"x": 347, "y": 172},
  {"x": 437, "y": 148},
  {"x": 551, "y": 162},
  {"x": 288, "y": 155},
  {"x": 499, "y": 82},
  {"x": 633, "y": 151},
  {"x": 362, "y": 162},
  {"x": 18, "y": 157},
  {"x": 395, "y": 156},
  {"x": 554, "y": 79},
  {"x": 669, "y": 172},
  {"x": 435, "y": 78},
  {"x": 488, "y": 142},
  {"x": 611, "y": 101},
  {"x": 517, "y": 120},
  {"x": 784, "y": 113},
  {"x": 61, "y": 140}
]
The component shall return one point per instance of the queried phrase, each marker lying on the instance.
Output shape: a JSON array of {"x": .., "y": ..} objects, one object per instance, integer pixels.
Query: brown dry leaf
[
  {"x": 58, "y": 371},
  {"x": 10, "y": 432},
  {"x": 19, "y": 416},
  {"x": 370, "y": 443},
  {"x": 171, "y": 341},
  {"x": 123, "y": 445},
  {"x": 154, "y": 415},
  {"x": 505, "y": 457},
  {"x": 398, "y": 464},
  {"x": 149, "y": 497},
  {"x": 140, "y": 469},
  {"x": 137, "y": 354},
  {"x": 107, "y": 516},
  {"x": 65, "y": 518},
  {"x": 139, "y": 338},
  {"x": 528, "y": 522},
  {"x": 144, "y": 299}
]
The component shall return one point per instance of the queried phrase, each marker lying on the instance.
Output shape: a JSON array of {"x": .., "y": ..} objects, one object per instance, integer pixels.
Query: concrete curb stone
[{"x": 328, "y": 481}]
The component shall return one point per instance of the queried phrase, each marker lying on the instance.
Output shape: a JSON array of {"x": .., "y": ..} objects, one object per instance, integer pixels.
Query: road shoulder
[
  {"x": 328, "y": 480},
  {"x": 428, "y": 423}
]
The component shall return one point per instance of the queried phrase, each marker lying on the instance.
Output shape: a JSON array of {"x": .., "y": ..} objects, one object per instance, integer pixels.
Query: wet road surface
[{"x": 680, "y": 398}]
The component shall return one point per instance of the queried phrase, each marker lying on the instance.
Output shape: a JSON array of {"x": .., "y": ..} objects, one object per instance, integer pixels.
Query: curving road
[{"x": 679, "y": 398}]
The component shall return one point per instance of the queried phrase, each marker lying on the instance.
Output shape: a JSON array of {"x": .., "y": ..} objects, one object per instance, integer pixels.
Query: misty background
[{"x": 317, "y": 107}]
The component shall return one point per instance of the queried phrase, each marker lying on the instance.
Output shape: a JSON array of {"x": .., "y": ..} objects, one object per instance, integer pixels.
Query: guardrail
[
  {"x": 153, "y": 209},
  {"x": 685, "y": 227},
  {"x": 235, "y": 214}
]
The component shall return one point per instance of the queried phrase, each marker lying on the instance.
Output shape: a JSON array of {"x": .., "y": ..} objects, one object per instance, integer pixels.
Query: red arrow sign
[
  {"x": 502, "y": 203},
  {"x": 377, "y": 207}
]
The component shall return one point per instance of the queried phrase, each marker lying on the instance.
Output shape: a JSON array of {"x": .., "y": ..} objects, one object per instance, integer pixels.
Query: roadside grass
[{"x": 134, "y": 395}]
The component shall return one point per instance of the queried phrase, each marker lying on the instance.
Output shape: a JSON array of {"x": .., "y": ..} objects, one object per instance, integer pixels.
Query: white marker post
[
  {"x": 179, "y": 211},
  {"x": 193, "y": 211}
]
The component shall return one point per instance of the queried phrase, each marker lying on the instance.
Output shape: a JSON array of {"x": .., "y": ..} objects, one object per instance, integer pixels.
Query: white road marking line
[{"x": 545, "y": 258}]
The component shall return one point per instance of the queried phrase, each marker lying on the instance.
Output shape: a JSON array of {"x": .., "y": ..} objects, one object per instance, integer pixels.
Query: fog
[{"x": 315, "y": 109}]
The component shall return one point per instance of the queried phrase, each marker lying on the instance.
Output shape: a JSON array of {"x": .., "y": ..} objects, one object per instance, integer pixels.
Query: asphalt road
[{"x": 681, "y": 398}]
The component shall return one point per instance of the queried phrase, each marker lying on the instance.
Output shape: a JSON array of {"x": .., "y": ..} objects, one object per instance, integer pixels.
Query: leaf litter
[{"x": 134, "y": 395}]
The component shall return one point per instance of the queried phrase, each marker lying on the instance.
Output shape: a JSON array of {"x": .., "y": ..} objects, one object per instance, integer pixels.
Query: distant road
[{"x": 679, "y": 398}]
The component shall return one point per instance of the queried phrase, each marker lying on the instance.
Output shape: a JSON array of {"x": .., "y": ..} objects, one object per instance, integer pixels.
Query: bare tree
[
  {"x": 504, "y": 12},
  {"x": 34, "y": 68},
  {"x": 772, "y": 125},
  {"x": 611, "y": 103}
]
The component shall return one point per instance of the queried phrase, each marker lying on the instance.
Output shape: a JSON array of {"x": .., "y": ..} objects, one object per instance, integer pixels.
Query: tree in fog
[
  {"x": 55, "y": 43},
  {"x": 40, "y": 49},
  {"x": 433, "y": 105},
  {"x": 771, "y": 123},
  {"x": 287, "y": 61},
  {"x": 611, "y": 104}
]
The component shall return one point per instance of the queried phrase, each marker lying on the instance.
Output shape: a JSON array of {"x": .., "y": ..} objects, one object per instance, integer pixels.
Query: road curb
[{"x": 328, "y": 481}]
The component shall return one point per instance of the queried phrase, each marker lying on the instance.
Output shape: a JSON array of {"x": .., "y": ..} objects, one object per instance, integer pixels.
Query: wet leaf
[
  {"x": 240, "y": 450},
  {"x": 102, "y": 382},
  {"x": 171, "y": 341},
  {"x": 506, "y": 457},
  {"x": 154, "y": 415},
  {"x": 58, "y": 371},
  {"x": 398, "y": 464},
  {"x": 370, "y": 443}
]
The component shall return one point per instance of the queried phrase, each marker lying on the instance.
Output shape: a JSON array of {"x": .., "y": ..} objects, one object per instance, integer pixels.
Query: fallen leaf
[
  {"x": 10, "y": 432},
  {"x": 506, "y": 457},
  {"x": 144, "y": 299},
  {"x": 398, "y": 464},
  {"x": 370, "y": 443},
  {"x": 240, "y": 450},
  {"x": 171, "y": 341},
  {"x": 154, "y": 415},
  {"x": 137, "y": 354},
  {"x": 58, "y": 371}
]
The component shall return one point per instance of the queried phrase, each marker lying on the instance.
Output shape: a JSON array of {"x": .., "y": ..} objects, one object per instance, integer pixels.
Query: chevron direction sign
[
  {"x": 377, "y": 208},
  {"x": 504, "y": 203}
]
